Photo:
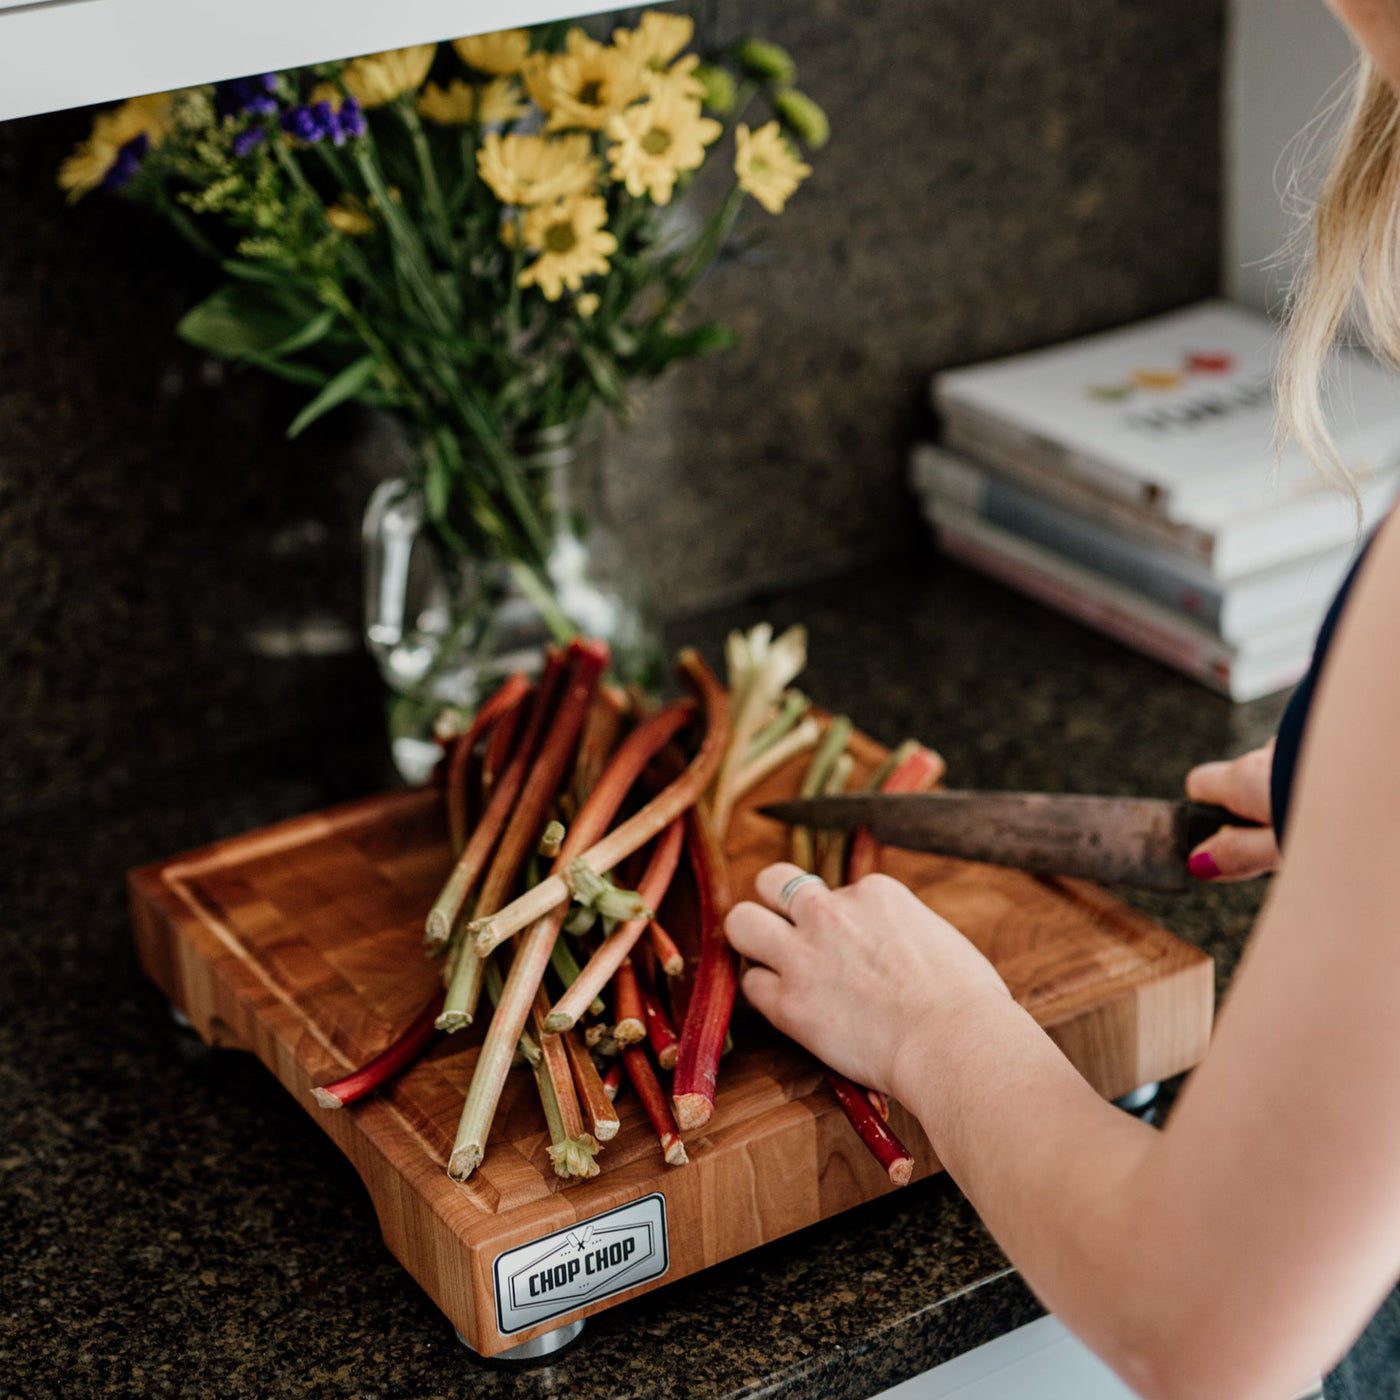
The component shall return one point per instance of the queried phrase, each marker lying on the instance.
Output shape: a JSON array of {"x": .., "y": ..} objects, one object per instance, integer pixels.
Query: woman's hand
[
  {"x": 1236, "y": 852},
  {"x": 858, "y": 975}
]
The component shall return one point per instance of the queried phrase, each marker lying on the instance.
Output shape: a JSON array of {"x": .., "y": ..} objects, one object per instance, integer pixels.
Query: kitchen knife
[{"x": 1128, "y": 840}]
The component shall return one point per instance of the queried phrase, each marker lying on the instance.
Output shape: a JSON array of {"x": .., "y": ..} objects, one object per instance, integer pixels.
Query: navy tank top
[
  {"x": 1371, "y": 1369},
  {"x": 1295, "y": 717}
]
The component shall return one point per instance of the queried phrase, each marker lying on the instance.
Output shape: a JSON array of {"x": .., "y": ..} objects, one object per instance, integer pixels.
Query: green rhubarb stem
[
  {"x": 832, "y": 746},
  {"x": 566, "y": 967},
  {"x": 463, "y": 991},
  {"x": 795, "y": 705},
  {"x": 795, "y": 742}
]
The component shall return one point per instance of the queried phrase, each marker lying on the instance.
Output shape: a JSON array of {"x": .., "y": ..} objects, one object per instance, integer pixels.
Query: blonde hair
[{"x": 1353, "y": 273}]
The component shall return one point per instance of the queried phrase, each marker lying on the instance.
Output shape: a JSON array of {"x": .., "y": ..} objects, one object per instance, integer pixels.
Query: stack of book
[{"x": 1131, "y": 480}]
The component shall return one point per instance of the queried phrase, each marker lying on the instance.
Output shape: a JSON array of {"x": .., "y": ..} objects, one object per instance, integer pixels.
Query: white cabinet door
[{"x": 67, "y": 53}]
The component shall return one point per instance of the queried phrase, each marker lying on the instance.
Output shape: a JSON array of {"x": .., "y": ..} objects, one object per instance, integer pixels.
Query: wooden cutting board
[{"x": 302, "y": 944}]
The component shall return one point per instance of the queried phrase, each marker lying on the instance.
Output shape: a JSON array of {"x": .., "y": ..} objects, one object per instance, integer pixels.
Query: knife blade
[{"x": 1120, "y": 840}]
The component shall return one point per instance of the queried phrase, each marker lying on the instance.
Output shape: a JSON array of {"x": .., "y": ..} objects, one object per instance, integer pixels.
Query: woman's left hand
[{"x": 858, "y": 975}]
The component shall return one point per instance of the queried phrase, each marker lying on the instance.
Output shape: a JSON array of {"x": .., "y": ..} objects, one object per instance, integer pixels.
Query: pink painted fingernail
[{"x": 1202, "y": 865}]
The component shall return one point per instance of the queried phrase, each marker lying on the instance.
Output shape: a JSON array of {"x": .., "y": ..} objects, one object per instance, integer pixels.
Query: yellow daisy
[
  {"x": 500, "y": 101},
  {"x": 503, "y": 52},
  {"x": 656, "y": 40},
  {"x": 571, "y": 242},
  {"x": 584, "y": 86},
  {"x": 655, "y": 141},
  {"x": 378, "y": 78},
  {"x": 536, "y": 169},
  {"x": 450, "y": 106},
  {"x": 87, "y": 167},
  {"x": 679, "y": 80},
  {"x": 766, "y": 166}
]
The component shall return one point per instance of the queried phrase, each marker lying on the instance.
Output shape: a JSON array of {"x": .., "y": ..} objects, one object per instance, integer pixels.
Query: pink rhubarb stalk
[
  {"x": 612, "y": 1081},
  {"x": 599, "y": 969},
  {"x": 892, "y": 1155},
  {"x": 629, "y": 1015},
  {"x": 917, "y": 770},
  {"x": 667, "y": 953},
  {"x": 716, "y": 981}
]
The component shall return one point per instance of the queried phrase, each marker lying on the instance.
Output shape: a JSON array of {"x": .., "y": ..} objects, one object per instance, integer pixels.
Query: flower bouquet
[{"x": 482, "y": 237}]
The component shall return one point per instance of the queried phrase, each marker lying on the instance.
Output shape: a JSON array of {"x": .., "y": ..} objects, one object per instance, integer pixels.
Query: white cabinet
[{"x": 67, "y": 53}]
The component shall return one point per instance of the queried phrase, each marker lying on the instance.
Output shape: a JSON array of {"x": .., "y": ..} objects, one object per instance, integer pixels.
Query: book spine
[
  {"x": 1039, "y": 469},
  {"x": 1176, "y": 582},
  {"x": 1193, "y": 655}
]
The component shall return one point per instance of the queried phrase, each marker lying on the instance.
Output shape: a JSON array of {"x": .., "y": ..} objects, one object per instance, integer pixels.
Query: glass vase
[{"x": 446, "y": 629}]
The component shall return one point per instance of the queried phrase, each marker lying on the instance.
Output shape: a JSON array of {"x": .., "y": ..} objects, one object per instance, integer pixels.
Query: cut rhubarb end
[
  {"x": 676, "y": 1153},
  {"x": 629, "y": 1032},
  {"x": 451, "y": 1021},
  {"x": 901, "y": 1172},
  {"x": 559, "y": 1023},
  {"x": 326, "y": 1099},
  {"x": 692, "y": 1111},
  {"x": 463, "y": 1163}
]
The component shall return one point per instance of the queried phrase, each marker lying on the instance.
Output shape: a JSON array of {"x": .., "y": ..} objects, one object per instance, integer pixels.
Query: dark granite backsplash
[{"x": 999, "y": 177}]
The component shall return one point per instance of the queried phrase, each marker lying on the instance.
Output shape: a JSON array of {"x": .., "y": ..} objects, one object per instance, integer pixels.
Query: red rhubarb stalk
[
  {"x": 892, "y": 1155},
  {"x": 916, "y": 771},
  {"x": 649, "y": 1090},
  {"x": 612, "y": 1081},
  {"x": 508, "y": 697},
  {"x": 638, "y": 829},
  {"x": 384, "y": 1066},
  {"x": 500, "y": 746},
  {"x": 629, "y": 1015},
  {"x": 661, "y": 1034},
  {"x": 446, "y": 907},
  {"x": 608, "y": 959},
  {"x": 716, "y": 981},
  {"x": 532, "y": 956},
  {"x": 592, "y": 1092}
]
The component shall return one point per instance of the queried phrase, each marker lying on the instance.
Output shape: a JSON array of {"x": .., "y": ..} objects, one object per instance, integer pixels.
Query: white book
[
  {"x": 1173, "y": 415},
  {"x": 1237, "y": 609},
  {"x": 1270, "y": 662}
]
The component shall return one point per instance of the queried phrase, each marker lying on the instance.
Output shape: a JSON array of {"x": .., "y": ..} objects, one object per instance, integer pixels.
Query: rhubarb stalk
[
  {"x": 892, "y": 1155},
  {"x": 629, "y": 1015},
  {"x": 661, "y": 1034},
  {"x": 384, "y": 1066},
  {"x": 573, "y": 1148},
  {"x": 593, "y": 1094},
  {"x": 716, "y": 981},
  {"x": 508, "y": 697},
  {"x": 612, "y": 1081},
  {"x": 638, "y": 829},
  {"x": 605, "y": 962},
  {"x": 667, "y": 953},
  {"x": 917, "y": 771},
  {"x": 483, "y": 840},
  {"x": 832, "y": 746},
  {"x": 649, "y": 1090},
  {"x": 532, "y": 956}
]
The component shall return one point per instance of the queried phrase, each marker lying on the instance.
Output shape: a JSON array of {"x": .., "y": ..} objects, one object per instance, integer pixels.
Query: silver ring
[{"x": 785, "y": 895}]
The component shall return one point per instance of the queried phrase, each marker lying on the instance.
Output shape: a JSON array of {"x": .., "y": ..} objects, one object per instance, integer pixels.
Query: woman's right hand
[{"x": 1242, "y": 785}]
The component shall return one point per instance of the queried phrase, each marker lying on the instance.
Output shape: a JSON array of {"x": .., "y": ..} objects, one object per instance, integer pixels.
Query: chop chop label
[{"x": 594, "y": 1259}]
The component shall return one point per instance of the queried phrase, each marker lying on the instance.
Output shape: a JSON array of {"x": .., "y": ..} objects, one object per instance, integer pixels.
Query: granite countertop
[{"x": 176, "y": 1225}]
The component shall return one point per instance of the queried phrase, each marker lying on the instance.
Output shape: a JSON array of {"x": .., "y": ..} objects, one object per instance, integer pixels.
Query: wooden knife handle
[{"x": 1203, "y": 820}]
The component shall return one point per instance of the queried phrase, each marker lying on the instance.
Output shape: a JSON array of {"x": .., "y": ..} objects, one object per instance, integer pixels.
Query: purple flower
[
  {"x": 303, "y": 123},
  {"x": 246, "y": 141},
  {"x": 127, "y": 163},
  {"x": 328, "y": 121},
  {"x": 240, "y": 95},
  {"x": 352, "y": 118}
]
